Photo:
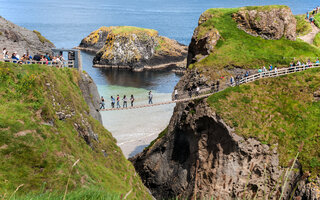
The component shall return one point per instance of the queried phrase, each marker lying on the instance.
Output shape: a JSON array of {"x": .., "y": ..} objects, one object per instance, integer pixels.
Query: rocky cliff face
[
  {"x": 21, "y": 40},
  {"x": 91, "y": 95},
  {"x": 270, "y": 23},
  {"x": 133, "y": 48},
  {"x": 200, "y": 156}
]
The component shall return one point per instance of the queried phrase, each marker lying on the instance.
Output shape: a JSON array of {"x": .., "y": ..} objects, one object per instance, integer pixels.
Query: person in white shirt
[
  {"x": 176, "y": 94},
  {"x": 4, "y": 52}
]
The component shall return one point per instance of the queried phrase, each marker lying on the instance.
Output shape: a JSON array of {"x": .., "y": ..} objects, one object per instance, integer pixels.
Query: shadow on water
[
  {"x": 160, "y": 81},
  {"x": 137, "y": 150}
]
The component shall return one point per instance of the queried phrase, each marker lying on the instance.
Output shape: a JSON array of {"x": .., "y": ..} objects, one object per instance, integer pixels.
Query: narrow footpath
[{"x": 310, "y": 36}]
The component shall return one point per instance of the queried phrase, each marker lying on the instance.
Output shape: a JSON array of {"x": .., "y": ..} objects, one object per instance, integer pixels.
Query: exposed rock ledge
[
  {"x": 268, "y": 22},
  {"x": 134, "y": 48},
  {"x": 201, "y": 156},
  {"x": 22, "y": 40}
]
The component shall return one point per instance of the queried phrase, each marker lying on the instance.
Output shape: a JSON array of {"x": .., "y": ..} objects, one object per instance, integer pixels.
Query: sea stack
[{"x": 134, "y": 48}]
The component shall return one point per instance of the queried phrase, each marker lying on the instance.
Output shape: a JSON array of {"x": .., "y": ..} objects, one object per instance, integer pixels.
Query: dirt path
[{"x": 310, "y": 36}]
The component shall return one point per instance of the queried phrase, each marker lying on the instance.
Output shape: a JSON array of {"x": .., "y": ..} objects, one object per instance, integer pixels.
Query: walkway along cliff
[{"x": 254, "y": 141}]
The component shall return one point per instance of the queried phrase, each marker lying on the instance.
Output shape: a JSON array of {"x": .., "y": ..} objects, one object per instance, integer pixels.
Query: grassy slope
[
  {"x": 303, "y": 27},
  {"x": 42, "y": 159},
  {"x": 237, "y": 48},
  {"x": 316, "y": 41},
  {"x": 277, "y": 110}
]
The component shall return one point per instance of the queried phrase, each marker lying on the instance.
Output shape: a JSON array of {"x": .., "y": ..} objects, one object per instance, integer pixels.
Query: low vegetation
[
  {"x": 303, "y": 27},
  {"x": 41, "y": 38},
  {"x": 316, "y": 40},
  {"x": 38, "y": 150},
  {"x": 281, "y": 112},
  {"x": 236, "y": 48}
]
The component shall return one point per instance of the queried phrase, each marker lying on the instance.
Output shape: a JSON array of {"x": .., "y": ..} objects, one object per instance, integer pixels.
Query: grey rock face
[
  {"x": 271, "y": 24},
  {"x": 21, "y": 40},
  {"x": 91, "y": 95},
  {"x": 202, "y": 45}
]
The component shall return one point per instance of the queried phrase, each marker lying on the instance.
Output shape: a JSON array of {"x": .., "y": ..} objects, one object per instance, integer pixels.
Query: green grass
[
  {"x": 163, "y": 133},
  {"x": 317, "y": 19},
  {"x": 316, "y": 40},
  {"x": 279, "y": 111},
  {"x": 237, "y": 48},
  {"x": 265, "y": 8},
  {"x": 303, "y": 27},
  {"x": 132, "y": 29},
  {"x": 42, "y": 38},
  {"x": 92, "y": 193},
  {"x": 42, "y": 159}
]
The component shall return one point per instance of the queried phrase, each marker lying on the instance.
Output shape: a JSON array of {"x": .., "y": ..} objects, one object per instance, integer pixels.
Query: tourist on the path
[
  {"x": 317, "y": 62},
  {"x": 125, "y": 101},
  {"x": 197, "y": 91},
  {"x": 231, "y": 80},
  {"x": 270, "y": 67},
  {"x": 175, "y": 94},
  {"x": 113, "y": 101},
  {"x": 6, "y": 56},
  {"x": 259, "y": 70},
  {"x": 218, "y": 85},
  {"x": 247, "y": 74},
  {"x": 14, "y": 57},
  {"x": 150, "y": 96},
  {"x": 132, "y": 100},
  {"x": 299, "y": 63},
  {"x": 118, "y": 101},
  {"x": 102, "y": 103},
  {"x": 307, "y": 15},
  {"x": 276, "y": 69},
  {"x": 190, "y": 92},
  {"x": 264, "y": 69},
  {"x": 4, "y": 52}
]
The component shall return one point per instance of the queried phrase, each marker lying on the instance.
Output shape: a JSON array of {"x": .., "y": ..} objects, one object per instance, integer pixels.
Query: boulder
[
  {"x": 133, "y": 48},
  {"x": 21, "y": 40},
  {"x": 268, "y": 22}
]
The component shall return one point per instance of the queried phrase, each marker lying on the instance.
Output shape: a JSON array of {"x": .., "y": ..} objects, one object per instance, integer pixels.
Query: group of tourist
[
  {"x": 310, "y": 15},
  {"x": 115, "y": 102},
  {"x": 27, "y": 59}
]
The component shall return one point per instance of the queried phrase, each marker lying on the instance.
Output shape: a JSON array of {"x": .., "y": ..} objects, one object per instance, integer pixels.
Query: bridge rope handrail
[{"x": 244, "y": 80}]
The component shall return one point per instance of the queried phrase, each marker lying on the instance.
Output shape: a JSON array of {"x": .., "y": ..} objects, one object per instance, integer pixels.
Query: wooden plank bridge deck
[{"x": 267, "y": 74}]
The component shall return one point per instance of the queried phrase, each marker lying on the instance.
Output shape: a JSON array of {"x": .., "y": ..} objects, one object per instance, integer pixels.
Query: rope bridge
[{"x": 267, "y": 74}]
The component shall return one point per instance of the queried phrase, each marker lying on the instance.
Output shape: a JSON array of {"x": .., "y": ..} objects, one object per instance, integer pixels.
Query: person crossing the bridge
[
  {"x": 197, "y": 91},
  {"x": 150, "y": 96},
  {"x": 113, "y": 101},
  {"x": 132, "y": 100},
  {"x": 118, "y": 101},
  {"x": 125, "y": 102},
  {"x": 102, "y": 103}
]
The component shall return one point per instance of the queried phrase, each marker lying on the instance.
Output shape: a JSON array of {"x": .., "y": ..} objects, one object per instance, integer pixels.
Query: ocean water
[{"x": 67, "y": 22}]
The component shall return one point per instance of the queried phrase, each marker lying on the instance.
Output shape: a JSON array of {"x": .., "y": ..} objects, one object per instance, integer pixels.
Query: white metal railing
[
  {"x": 275, "y": 73},
  {"x": 67, "y": 63}
]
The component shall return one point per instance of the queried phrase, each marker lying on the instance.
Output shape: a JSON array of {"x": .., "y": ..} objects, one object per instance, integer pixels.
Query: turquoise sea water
[{"x": 66, "y": 22}]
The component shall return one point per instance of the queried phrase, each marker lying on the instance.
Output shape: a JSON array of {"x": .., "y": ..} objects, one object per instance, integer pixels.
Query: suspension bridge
[{"x": 207, "y": 91}]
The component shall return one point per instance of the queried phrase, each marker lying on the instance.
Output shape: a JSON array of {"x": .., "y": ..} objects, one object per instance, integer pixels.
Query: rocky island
[
  {"x": 134, "y": 48},
  {"x": 254, "y": 141}
]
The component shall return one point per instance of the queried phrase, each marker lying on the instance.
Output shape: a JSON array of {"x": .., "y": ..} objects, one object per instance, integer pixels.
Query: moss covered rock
[{"x": 133, "y": 48}]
